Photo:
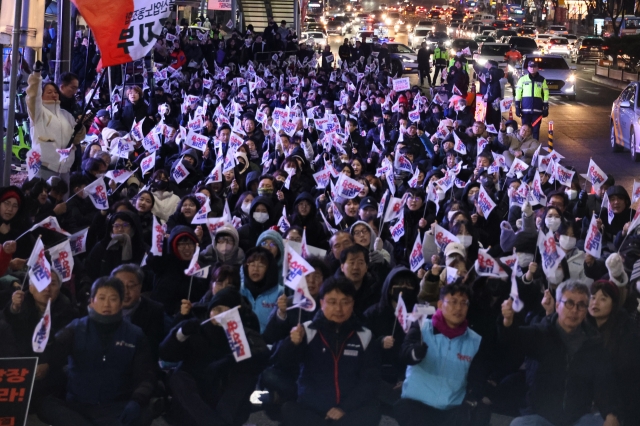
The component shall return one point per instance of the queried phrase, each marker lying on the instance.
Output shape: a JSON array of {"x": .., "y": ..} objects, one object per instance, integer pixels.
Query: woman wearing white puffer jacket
[{"x": 51, "y": 126}]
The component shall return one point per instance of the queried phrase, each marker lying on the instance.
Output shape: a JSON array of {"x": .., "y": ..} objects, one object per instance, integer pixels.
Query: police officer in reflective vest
[
  {"x": 440, "y": 56},
  {"x": 532, "y": 98}
]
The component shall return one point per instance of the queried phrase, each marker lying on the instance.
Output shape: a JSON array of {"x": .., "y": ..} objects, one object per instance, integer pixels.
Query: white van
[{"x": 485, "y": 18}]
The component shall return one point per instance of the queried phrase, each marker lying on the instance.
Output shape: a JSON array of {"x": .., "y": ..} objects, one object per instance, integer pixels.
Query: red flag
[{"x": 125, "y": 30}]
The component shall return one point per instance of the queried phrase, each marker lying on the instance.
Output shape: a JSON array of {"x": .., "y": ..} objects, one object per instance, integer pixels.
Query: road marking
[
  {"x": 582, "y": 104},
  {"x": 590, "y": 92}
]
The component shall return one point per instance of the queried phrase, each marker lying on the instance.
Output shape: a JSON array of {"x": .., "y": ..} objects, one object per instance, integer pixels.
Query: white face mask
[
  {"x": 261, "y": 217},
  {"x": 440, "y": 194},
  {"x": 466, "y": 240},
  {"x": 363, "y": 108},
  {"x": 572, "y": 194},
  {"x": 451, "y": 214},
  {"x": 214, "y": 101},
  {"x": 509, "y": 130},
  {"x": 373, "y": 188},
  {"x": 245, "y": 207},
  {"x": 524, "y": 259},
  {"x": 553, "y": 223},
  {"x": 567, "y": 242}
]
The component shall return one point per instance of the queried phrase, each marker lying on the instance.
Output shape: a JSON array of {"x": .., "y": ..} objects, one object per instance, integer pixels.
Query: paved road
[{"x": 581, "y": 128}]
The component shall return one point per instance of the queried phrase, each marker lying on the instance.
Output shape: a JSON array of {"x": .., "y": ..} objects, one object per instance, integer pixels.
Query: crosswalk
[{"x": 558, "y": 102}]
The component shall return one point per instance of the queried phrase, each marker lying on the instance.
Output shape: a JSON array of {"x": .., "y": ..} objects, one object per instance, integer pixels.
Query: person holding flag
[
  {"x": 110, "y": 370},
  {"x": 210, "y": 383},
  {"x": 381, "y": 320},
  {"x": 437, "y": 385},
  {"x": 334, "y": 383},
  {"x": 23, "y": 315}
]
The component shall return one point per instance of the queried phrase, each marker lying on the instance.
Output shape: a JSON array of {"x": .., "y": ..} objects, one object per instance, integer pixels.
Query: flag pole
[
  {"x": 26, "y": 274},
  {"x": 299, "y": 315},
  {"x": 84, "y": 113},
  {"x": 190, "y": 283}
]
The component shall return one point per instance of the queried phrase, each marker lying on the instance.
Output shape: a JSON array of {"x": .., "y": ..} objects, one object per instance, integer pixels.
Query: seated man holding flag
[
  {"x": 339, "y": 364},
  {"x": 446, "y": 365}
]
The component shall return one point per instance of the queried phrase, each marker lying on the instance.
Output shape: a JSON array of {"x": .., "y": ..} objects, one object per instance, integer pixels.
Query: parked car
[
  {"x": 587, "y": 49},
  {"x": 524, "y": 45},
  {"x": 417, "y": 36},
  {"x": 625, "y": 121},
  {"x": 560, "y": 77},
  {"x": 404, "y": 60},
  {"x": 314, "y": 39},
  {"x": 434, "y": 37}
]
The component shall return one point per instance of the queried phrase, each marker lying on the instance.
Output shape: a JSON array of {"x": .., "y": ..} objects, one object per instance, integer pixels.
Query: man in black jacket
[
  {"x": 354, "y": 265},
  {"x": 424, "y": 68},
  {"x": 573, "y": 369},
  {"x": 345, "y": 51},
  {"x": 141, "y": 311},
  {"x": 339, "y": 364}
]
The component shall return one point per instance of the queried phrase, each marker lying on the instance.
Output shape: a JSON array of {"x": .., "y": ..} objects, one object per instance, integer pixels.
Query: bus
[
  {"x": 315, "y": 8},
  {"x": 630, "y": 26}
]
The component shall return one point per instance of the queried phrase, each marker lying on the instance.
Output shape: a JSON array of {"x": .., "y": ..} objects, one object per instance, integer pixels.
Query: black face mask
[
  {"x": 410, "y": 297},
  {"x": 438, "y": 115},
  {"x": 162, "y": 185}
]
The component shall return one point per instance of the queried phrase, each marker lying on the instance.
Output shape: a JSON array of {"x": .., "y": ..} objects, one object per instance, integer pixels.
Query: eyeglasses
[
  {"x": 9, "y": 205},
  {"x": 457, "y": 303},
  {"x": 570, "y": 304},
  {"x": 121, "y": 226},
  {"x": 361, "y": 232},
  {"x": 186, "y": 244},
  {"x": 268, "y": 244}
]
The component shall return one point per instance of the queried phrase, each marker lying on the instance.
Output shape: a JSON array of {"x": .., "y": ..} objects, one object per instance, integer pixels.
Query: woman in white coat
[{"x": 51, "y": 126}]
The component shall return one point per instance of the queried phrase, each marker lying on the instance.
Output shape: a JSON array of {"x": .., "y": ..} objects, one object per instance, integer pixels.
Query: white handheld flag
[
  {"x": 39, "y": 267},
  {"x": 593, "y": 241},
  {"x": 232, "y": 325},
  {"x": 416, "y": 258},
  {"x": 42, "y": 331},
  {"x": 62, "y": 259},
  {"x": 97, "y": 192},
  {"x": 401, "y": 314},
  {"x": 157, "y": 237}
]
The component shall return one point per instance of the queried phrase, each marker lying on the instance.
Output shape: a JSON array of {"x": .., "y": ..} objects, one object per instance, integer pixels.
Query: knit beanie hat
[{"x": 507, "y": 237}]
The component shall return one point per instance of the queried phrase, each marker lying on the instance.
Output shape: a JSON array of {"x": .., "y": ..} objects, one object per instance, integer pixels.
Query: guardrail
[{"x": 617, "y": 74}]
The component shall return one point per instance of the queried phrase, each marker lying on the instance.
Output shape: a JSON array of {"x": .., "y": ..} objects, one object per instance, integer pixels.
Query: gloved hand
[
  {"x": 420, "y": 351},
  {"x": 190, "y": 327},
  {"x": 545, "y": 110},
  {"x": 527, "y": 209},
  {"x": 130, "y": 413},
  {"x": 518, "y": 110},
  {"x": 37, "y": 67},
  {"x": 582, "y": 198},
  {"x": 378, "y": 244}
]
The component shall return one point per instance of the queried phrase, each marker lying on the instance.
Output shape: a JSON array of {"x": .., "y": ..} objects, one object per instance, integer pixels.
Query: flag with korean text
[
  {"x": 347, "y": 187},
  {"x": 414, "y": 182},
  {"x": 34, "y": 162},
  {"x": 179, "y": 172},
  {"x": 635, "y": 193},
  {"x": 196, "y": 141},
  {"x": 304, "y": 248},
  {"x": 62, "y": 259},
  {"x": 39, "y": 267},
  {"x": 322, "y": 178},
  {"x": 283, "y": 222},
  {"x": 125, "y": 30},
  {"x": 635, "y": 222},
  {"x": 593, "y": 241},
  {"x": 606, "y": 203},
  {"x": 500, "y": 160},
  {"x": 485, "y": 203},
  {"x": 442, "y": 237},
  {"x": 78, "y": 242},
  {"x": 97, "y": 192},
  {"x": 402, "y": 164},
  {"x": 51, "y": 223},
  {"x": 596, "y": 175},
  {"x": 64, "y": 154},
  {"x": 485, "y": 265},
  {"x": 302, "y": 297},
  {"x": 294, "y": 268},
  {"x": 459, "y": 146},
  {"x": 397, "y": 230},
  {"x": 514, "y": 294},
  {"x": 232, "y": 325},
  {"x": 194, "y": 269},
  {"x": 550, "y": 252},
  {"x": 157, "y": 237},
  {"x": 402, "y": 314},
  {"x": 520, "y": 195},
  {"x": 151, "y": 142},
  {"x": 119, "y": 176},
  {"x": 147, "y": 164},
  {"x": 337, "y": 215},
  {"x": 564, "y": 175},
  {"x": 518, "y": 167},
  {"x": 383, "y": 203},
  {"x": 42, "y": 331},
  {"x": 482, "y": 144},
  {"x": 536, "y": 195},
  {"x": 393, "y": 209},
  {"x": 416, "y": 258},
  {"x": 447, "y": 181}
]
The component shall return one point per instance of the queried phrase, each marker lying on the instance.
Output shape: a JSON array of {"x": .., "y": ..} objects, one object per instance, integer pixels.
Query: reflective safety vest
[
  {"x": 465, "y": 65},
  {"x": 440, "y": 54},
  {"x": 532, "y": 93}
]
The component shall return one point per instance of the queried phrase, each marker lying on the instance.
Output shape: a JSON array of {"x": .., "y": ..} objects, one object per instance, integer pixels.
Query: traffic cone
[{"x": 510, "y": 113}]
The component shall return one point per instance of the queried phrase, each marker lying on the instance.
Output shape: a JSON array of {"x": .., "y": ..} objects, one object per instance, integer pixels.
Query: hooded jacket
[
  {"x": 262, "y": 295},
  {"x": 249, "y": 233},
  {"x": 106, "y": 256},
  {"x": 563, "y": 388},
  {"x": 380, "y": 318},
  {"x": 171, "y": 285},
  {"x": 212, "y": 256},
  {"x": 17, "y": 225},
  {"x": 314, "y": 231}
]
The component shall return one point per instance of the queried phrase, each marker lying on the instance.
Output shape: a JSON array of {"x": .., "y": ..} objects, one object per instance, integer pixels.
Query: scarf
[
  {"x": 441, "y": 325},
  {"x": 105, "y": 319},
  {"x": 125, "y": 241}
]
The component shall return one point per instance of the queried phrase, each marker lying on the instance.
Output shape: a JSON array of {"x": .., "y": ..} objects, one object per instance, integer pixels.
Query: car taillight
[
  {"x": 583, "y": 47},
  {"x": 605, "y": 47}
]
